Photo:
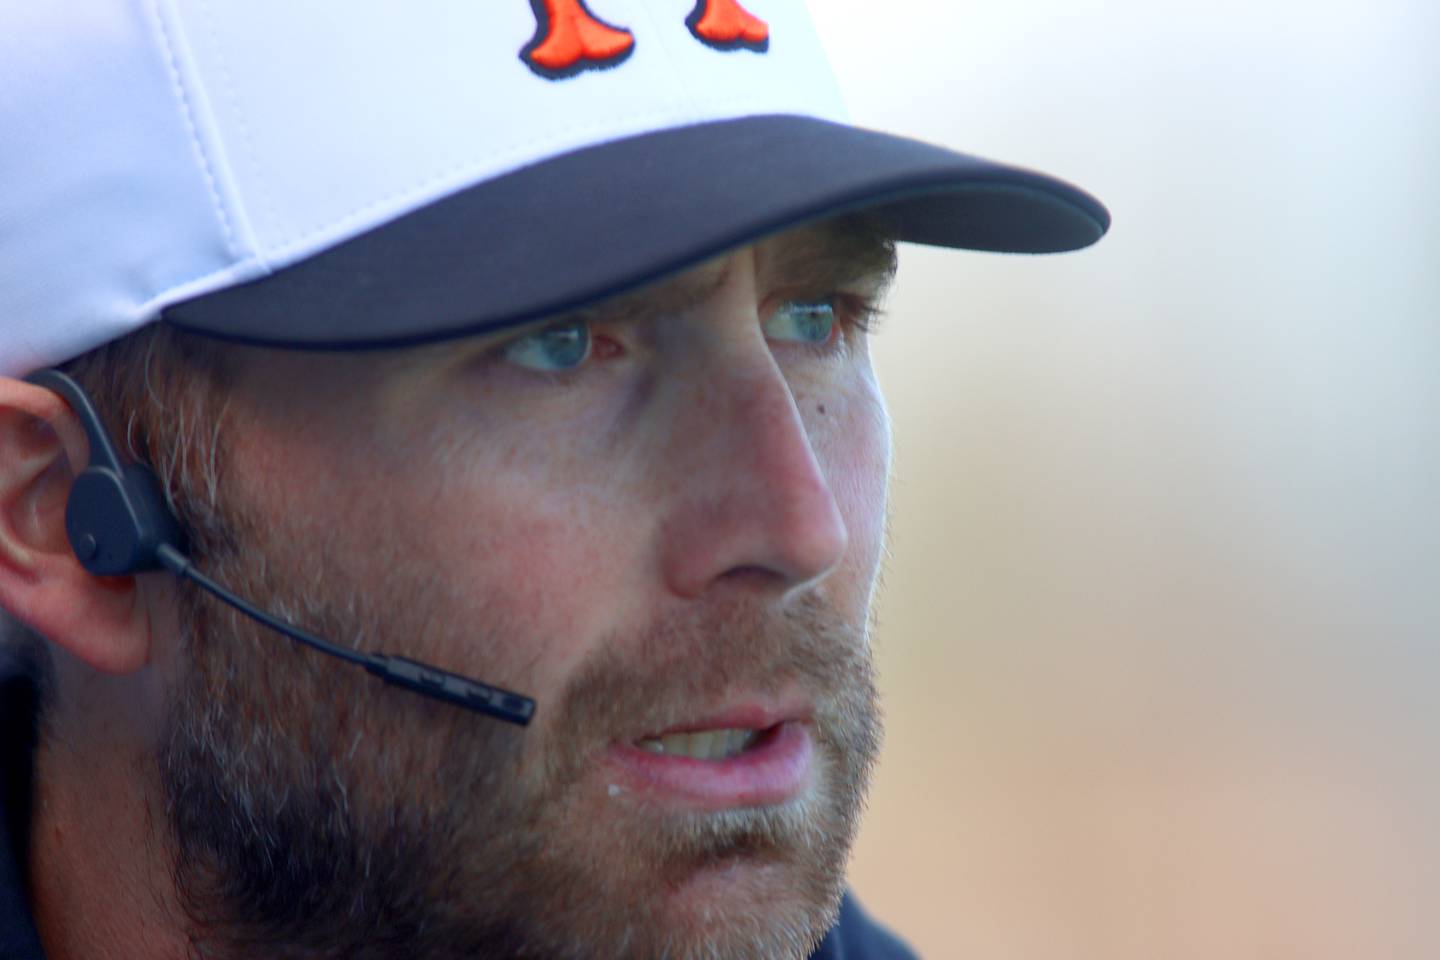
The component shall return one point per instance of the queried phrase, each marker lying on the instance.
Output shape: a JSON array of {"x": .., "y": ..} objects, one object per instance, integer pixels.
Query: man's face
[{"x": 661, "y": 518}]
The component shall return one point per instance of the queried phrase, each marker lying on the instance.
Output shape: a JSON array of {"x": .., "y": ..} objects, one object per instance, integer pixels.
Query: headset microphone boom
[{"x": 118, "y": 524}]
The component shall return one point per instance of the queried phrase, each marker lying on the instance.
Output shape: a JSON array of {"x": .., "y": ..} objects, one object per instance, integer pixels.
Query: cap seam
[
  {"x": 247, "y": 144},
  {"x": 207, "y": 169},
  {"x": 656, "y": 29}
]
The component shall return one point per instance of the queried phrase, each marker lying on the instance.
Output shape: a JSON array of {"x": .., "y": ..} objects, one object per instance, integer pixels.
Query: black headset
[{"x": 119, "y": 524}]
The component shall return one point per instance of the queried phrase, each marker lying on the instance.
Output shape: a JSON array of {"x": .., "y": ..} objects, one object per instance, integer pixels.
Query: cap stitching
[
  {"x": 247, "y": 145},
  {"x": 231, "y": 245}
]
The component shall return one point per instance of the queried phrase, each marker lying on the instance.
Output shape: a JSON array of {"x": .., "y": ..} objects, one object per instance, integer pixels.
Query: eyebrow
[
  {"x": 851, "y": 251},
  {"x": 848, "y": 252}
]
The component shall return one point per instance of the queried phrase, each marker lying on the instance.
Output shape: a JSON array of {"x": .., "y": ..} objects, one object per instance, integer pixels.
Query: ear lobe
[{"x": 98, "y": 620}]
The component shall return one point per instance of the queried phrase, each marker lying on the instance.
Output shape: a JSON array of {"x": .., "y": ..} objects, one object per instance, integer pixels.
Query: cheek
[
  {"x": 505, "y": 563},
  {"x": 524, "y": 552},
  {"x": 534, "y": 558}
]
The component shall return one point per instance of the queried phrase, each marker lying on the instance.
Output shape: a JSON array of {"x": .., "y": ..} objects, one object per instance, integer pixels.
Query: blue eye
[
  {"x": 803, "y": 322},
  {"x": 563, "y": 346}
]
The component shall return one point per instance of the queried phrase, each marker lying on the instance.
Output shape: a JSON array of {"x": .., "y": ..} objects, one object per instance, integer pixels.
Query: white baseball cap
[{"x": 374, "y": 172}]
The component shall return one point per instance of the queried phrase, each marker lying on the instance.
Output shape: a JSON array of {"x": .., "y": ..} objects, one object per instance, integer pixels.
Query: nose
[{"x": 752, "y": 506}]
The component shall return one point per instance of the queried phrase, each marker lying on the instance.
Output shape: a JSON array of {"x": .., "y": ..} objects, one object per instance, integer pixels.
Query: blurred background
[{"x": 1159, "y": 630}]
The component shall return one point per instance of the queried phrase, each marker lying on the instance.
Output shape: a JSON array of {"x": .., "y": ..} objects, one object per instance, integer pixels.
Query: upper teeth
[{"x": 704, "y": 745}]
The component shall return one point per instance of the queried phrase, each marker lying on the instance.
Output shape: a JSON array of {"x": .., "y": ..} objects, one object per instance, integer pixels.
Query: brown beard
[{"x": 315, "y": 813}]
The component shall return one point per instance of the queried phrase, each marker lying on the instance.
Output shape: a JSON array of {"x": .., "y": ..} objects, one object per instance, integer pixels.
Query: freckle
[{"x": 821, "y": 408}]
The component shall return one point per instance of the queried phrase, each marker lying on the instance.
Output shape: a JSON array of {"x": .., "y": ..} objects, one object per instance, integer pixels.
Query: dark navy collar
[
  {"x": 856, "y": 937},
  {"x": 18, "y": 940}
]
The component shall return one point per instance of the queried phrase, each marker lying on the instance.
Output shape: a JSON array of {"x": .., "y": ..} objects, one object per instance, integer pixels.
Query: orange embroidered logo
[{"x": 570, "y": 39}]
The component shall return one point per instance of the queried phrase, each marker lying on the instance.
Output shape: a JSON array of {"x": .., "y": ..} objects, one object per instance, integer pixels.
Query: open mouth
[
  {"x": 717, "y": 766},
  {"x": 723, "y": 744}
]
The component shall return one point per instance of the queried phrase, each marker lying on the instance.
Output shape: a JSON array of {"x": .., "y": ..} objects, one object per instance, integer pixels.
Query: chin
[
  {"x": 745, "y": 891},
  {"x": 740, "y": 908},
  {"x": 750, "y": 882}
]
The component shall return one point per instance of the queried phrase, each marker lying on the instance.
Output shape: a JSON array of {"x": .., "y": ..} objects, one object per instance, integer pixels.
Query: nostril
[{"x": 751, "y": 575}]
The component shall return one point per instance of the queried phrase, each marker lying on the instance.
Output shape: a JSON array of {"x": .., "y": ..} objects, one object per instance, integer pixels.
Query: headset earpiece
[
  {"x": 111, "y": 520},
  {"x": 118, "y": 524},
  {"x": 116, "y": 517}
]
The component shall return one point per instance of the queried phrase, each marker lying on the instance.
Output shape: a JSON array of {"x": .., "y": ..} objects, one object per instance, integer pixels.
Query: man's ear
[{"x": 98, "y": 620}]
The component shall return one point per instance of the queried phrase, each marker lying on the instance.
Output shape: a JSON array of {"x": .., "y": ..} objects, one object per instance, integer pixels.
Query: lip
[{"x": 774, "y": 770}]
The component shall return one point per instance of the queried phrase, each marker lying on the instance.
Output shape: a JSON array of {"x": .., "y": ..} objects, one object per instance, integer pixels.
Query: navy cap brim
[{"x": 587, "y": 225}]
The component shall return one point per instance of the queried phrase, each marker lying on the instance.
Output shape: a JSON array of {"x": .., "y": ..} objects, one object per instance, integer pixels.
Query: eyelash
[{"x": 858, "y": 311}]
